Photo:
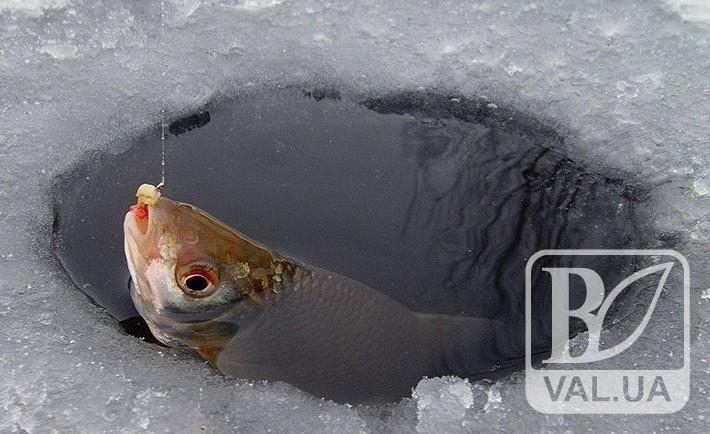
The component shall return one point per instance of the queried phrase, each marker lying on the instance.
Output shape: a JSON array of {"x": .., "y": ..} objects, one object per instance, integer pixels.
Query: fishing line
[
  {"x": 162, "y": 150},
  {"x": 162, "y": 93}
]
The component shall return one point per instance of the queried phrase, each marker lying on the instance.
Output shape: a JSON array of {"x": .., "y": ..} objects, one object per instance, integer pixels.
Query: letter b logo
[
  {"x": 561, "y": 312},
  {"x": 650, "y": 302}
]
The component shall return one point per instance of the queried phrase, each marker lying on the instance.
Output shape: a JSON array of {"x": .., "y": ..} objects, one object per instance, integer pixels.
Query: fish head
[{"x": 196, "y": 280}]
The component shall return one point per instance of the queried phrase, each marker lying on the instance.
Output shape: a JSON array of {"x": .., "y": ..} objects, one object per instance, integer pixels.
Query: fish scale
[{"x": 320, "y": 331}]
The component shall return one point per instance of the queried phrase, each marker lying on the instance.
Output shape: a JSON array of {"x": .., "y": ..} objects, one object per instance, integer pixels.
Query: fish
[{"x": 256, "y": 314}]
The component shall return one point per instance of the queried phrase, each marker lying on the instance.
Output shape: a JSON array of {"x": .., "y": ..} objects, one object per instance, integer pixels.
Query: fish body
[{"x": 253, "y": 313}]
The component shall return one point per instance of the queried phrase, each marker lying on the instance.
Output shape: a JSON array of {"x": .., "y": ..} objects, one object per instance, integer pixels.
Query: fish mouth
[
  {"x": 140, "y": 217},
  {"x": 138, "y": 226},
  {"x": 137, "y": 230},
  {"x": 132, "y": 233}
]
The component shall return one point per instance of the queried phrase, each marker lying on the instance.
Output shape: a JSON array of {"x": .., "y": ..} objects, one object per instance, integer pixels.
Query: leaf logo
[{"x": 595, "y": 299}]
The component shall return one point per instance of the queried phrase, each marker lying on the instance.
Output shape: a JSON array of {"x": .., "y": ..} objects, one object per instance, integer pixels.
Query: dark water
[{"x": 437, "y": 201}]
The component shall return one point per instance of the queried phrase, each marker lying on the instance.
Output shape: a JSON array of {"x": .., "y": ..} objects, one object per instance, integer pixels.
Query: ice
[
  {"x": 59, "y": 51},
  {"x": 625, "y": 82},
  {"x": 34, "y": 7},
  {"x": 691, "y": 10},
  {"x": 442, "y": 404},
  {"x": 255, "y": 5}
]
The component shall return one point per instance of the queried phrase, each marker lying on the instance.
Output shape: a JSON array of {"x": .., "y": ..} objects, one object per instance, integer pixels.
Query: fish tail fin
[{"x": 470, "y": 346}]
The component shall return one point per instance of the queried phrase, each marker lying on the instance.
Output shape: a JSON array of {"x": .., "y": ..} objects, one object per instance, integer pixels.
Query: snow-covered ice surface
[{"x": 626, "y": 82}]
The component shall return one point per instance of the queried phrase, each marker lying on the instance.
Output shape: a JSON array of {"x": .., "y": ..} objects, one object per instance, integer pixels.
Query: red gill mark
[{"x": 140, "y": 210}]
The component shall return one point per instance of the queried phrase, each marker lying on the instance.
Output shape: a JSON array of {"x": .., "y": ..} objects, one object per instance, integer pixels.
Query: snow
[
  {"x": 691, "y": 10},
  {"x": 442, "y": 404},
  {"x": 625, "y": 82},
  {"x": 34, "y": 7}
]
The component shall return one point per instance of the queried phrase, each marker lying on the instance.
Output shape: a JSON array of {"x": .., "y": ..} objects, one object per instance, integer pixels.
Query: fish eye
[{"x": 199, "y": 280}]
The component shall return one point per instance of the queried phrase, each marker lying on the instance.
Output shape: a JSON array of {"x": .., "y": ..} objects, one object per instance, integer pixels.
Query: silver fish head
[{"x": 196, "y": 280}]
